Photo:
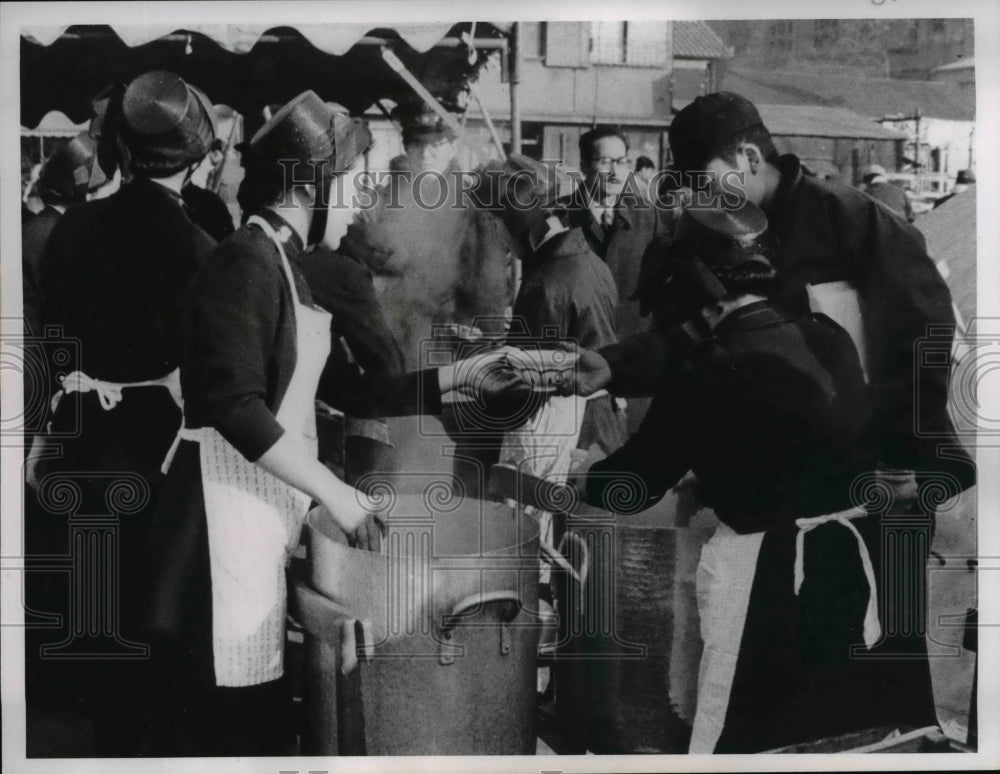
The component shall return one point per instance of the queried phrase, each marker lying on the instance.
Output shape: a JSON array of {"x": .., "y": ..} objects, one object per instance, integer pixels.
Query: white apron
[
  {"x": 255, "y": 519},
  {"x": 724, "y": 581}
]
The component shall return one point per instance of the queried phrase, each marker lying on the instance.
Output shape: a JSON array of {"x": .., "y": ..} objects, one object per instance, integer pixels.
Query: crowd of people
[{"x": 768, "y": 346}]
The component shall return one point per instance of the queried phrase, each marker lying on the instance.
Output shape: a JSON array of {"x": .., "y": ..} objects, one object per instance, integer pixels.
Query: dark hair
[
  {"x": 257, "y": 191},
  {"x": 726, "y": 146},
  {"x": 156, "y": 167},
  {"x": 590, "y": 139},
  {"x": 755, "y": 276},
  {"x": 644, "y": 162},
  {"x": 217, "y": 145},
  {"x": 65, "y": 194}
]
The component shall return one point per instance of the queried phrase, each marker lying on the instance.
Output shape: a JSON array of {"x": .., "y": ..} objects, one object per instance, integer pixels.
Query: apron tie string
[
  {"x": 872, "y": 625},
  {"x": 110, "y": 393}
]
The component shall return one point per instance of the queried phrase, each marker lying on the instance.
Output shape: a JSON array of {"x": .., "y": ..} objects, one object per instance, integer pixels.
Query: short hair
[
  {"x": 644, "y": 162},
  {"x": 154, "y": 167},
  {"x": 726, "y": 146},
  {"x": 588, "y": 140},
  {"x": 755, "y": 276},
  {"x": 217, "y": 145}
]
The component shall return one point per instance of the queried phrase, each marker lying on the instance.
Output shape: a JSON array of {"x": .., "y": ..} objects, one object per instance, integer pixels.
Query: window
[
  {"x": 533, "y": 40},
  {"x": 607, "y": 42},
  {"x": 646, "y": 43},
  {"x": 638, "y": 43}
]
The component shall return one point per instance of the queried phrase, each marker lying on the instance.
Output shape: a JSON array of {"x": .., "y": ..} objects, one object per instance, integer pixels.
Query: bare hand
[
  {"x": 368, "y": 537},
  {"x": 903, "y": 487},
  {"x": 590, "y": 374}
]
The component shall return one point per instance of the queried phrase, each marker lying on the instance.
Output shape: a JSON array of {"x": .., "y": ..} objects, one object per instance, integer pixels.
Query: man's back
[{"x": 893, "y": 197}]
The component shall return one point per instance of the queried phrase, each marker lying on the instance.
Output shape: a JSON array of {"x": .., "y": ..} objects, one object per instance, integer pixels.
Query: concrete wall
[{"x": 564, "y": 84}]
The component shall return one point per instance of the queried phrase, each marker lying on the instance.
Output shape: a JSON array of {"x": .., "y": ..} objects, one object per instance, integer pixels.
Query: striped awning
[
  {"x": 247, "y": 66},
  {"x": 335, "y": 39}
]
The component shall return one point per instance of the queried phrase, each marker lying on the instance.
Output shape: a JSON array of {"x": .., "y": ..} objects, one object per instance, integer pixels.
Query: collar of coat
[
  {"x": 790, "y": 169},
  {"x": 578, "y": 209},
  {"x": 290, "y": 240},
  {"x": 759, "y": 314}
]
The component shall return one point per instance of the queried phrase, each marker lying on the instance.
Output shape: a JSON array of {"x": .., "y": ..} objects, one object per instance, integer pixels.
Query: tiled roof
[
  {"x": 696, "y": 40},
  {"x": 822, "y": 121},
  {"x": 871, "y": 97}
]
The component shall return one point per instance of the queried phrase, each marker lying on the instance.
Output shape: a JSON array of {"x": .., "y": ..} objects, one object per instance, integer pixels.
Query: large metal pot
[
  {"x": 429, "y": 648},
  {"x": 629, "y": 643},
  {"x": 626, "y": 666}
]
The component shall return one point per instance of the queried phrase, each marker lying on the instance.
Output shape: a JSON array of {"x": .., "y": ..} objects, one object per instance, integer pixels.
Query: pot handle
[
  {"x": 461, "y": 610},
  {"x": 584, "y": 571},
  {"x": 554, "y": 557},
  {"x": 356, "y": 642}
]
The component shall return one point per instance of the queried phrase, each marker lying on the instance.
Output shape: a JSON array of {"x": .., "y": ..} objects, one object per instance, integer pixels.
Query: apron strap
[
  {"x": 273, "y": 236},
  {"x": 110, "y": 393},
  {"x": 872, "y": 625}
]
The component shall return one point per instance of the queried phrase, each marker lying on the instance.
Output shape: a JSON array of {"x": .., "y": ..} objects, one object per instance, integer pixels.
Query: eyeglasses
[{"x": 606, "y": 162}]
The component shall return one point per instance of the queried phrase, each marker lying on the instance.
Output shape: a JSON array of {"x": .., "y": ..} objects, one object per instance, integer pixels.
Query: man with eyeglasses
[{"x": 619, "y": 223}]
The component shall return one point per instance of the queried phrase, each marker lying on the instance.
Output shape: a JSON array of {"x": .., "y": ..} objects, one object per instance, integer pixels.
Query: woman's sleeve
[
  {"x": 235, "y": 304},
  {"x": 637, "y": 475}
]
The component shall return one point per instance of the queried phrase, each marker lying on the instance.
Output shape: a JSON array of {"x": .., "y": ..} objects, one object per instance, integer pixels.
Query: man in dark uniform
[
  {"x": 113, "y": 273},
  {"x": 877, "y": 186},
  {"x": 771, "y": 412},
  {"x": 821, "y": 232}
]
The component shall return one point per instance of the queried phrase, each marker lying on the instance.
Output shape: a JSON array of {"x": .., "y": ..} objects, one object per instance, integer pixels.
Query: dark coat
[
  {"x": 207, "y": 209},
  {"x": 635, "y": 226},
  {"x": 893, "y": 197},
  {"x": 568, "y": 293},
  {"x": 772, "y": 415},
  {"x": 239, "y": 351},
  {"x": 35, "y": 233},
  {"x": 113, "y": 274},
  {"x": 364, "y": 376},
  {"x": 824, "y": 232}
]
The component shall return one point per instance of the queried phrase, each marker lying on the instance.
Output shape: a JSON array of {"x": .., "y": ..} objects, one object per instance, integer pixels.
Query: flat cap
[{"x": 421, "y": 122}]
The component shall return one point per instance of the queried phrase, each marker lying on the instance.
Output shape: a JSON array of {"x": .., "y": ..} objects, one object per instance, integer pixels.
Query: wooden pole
[{"x": 515, "y": 80}]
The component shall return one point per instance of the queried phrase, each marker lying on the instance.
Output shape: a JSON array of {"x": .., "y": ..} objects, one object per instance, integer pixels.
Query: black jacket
[
  {"x": 112, "y": 277},
  {"x": 364, "y": 375},
  {"x": 207, "y": 209},
  {"x": 239, "y": 342},
  {"x": 35, "y": 233},
  {"x": 772, "y": 415},
  {"x": 113, "y": 273},
  {"x": 825, "y": 232}
]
